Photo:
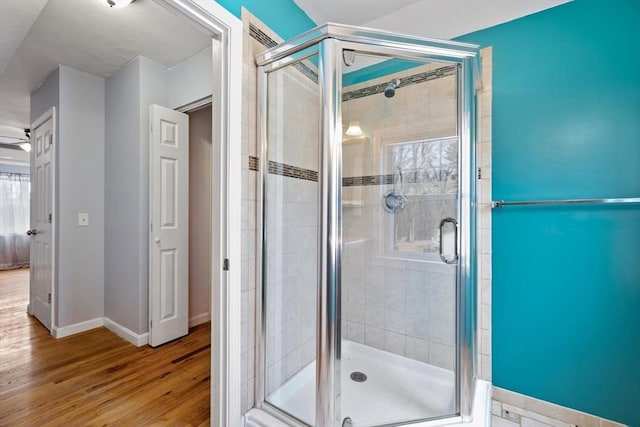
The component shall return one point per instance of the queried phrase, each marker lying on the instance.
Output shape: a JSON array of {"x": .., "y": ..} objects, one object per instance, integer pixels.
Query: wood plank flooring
[{"x": 95, "y": 378}]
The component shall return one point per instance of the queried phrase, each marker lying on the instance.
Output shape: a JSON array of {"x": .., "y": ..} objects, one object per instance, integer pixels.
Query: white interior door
[
  {"x": 41, "y": 232},
  {"x": 169, "y": 227}
]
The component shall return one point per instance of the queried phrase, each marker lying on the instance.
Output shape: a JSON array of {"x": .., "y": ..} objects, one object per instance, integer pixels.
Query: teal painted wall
[
  {"x": 566, "y": 123},
  {"x": 282, "y": 16},
  {"x": 566, "y": 280}
]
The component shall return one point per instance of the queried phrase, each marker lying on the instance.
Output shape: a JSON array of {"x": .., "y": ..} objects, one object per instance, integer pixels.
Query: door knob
[
  {"x": 32, "y": 232},
  {"x": 157, "y": 240}
]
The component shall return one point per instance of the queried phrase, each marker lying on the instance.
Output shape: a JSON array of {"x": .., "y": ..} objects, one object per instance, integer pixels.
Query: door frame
[
  {"x": 49, "y": 114},
  {"x": 226, "y": 30}
]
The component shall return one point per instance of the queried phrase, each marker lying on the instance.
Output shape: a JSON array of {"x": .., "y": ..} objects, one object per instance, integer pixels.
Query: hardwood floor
[{"x": 95, "y": 378}]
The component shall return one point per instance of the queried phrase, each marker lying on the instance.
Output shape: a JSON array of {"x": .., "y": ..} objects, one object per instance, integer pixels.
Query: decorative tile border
[
  {"x": 292, "y": 171},
  {"x": 261, "y": 37},
  {"x": 354, "y": 181},
  {"x": 307, "y": 71},
  {"x": 254, "y": 163},
  {"x": 268, "y": 42},
  {"x": 449, "y": 70}
]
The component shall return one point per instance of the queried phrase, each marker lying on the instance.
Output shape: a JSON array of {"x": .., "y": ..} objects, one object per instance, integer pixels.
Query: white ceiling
[
  {"x": 440, "y": 19},
  {"x": 86, "y": 35},
  {"x": 16, "y": 19}
]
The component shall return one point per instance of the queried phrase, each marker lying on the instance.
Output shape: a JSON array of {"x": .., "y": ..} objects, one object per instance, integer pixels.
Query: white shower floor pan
[{"x": 396, "y": 390}]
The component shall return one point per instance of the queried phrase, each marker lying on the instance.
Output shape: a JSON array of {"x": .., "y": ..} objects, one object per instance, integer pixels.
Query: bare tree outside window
[{"x": 426, "y": 173}]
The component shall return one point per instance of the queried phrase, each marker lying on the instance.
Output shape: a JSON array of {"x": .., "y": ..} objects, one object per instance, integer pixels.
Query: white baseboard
[
  {"x": 199, "y": 319},
  {"x": 125, "y": 333},
  {"x": 76, "y": 328}
]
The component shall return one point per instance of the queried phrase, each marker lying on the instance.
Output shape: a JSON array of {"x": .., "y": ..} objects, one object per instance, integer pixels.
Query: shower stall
[{"x": 367, "y": 307}]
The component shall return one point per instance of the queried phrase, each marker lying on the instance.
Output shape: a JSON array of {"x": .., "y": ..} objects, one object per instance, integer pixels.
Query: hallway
[{"x": 95, "y": 378}]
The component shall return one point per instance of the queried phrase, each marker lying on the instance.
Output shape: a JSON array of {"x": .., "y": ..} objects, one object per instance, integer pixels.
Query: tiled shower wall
[
  {"x": 484, "y": 214},
  {"x": 401, "y": 304},
  {"x": 251, "y": 47}
]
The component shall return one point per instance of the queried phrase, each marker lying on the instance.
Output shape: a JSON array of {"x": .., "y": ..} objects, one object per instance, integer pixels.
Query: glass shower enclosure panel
[
  {"x": 290, "y": 249},
  {"x": 399, "y": 229},
  {"x": 367, "y": 215}
]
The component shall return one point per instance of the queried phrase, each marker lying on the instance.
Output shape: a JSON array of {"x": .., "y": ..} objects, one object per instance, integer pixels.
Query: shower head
[{"x": 390, "y": 90}]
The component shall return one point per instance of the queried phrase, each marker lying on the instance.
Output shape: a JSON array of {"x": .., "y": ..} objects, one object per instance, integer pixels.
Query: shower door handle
[{"x": 455, "y": 240}]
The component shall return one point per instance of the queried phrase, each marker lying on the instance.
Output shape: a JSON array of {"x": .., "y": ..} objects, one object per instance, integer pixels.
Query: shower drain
[{"x": 358, "y": 377}]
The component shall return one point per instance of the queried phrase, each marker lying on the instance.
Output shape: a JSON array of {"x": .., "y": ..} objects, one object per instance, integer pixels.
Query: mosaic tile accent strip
[
  {"x": 268, "y": 42},
  {"x": 261, "y": 37},
  {"x": 415, "y": 177},
  {"x": 449, "y": 70},
  {"x": 292, "y": 171},
  {"x": 307, "y": 71},
  {"x": 355, "y": 181},
  {"x": 254, "y": 163}
]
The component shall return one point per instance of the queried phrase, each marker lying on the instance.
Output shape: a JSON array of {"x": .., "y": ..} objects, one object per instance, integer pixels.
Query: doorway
[
  {"x": 180, "y": 228},
  {"x": 127, "y": 291},
  {"x": 200, "y": 241},
  {"x": 42, "y": 231}
]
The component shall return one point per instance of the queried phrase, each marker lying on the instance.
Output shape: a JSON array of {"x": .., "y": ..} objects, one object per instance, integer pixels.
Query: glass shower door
[
  {"x": 290, "y": 246},
  {"x": 400, "y": 209}
]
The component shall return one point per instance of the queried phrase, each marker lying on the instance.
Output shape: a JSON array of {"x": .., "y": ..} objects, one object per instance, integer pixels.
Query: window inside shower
[{"x": 425, "y": 174}]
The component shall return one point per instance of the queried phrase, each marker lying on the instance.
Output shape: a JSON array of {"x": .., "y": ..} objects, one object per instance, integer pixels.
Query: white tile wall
[
  {"x": 249, "y": 207},
  {"x": 408, "y": 305},
  {"x": 484, "y": 215}
]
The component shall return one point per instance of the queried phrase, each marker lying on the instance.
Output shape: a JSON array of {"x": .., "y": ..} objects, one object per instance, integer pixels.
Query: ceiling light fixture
[
  {"x": 119, "y": 3},
  {"x": 354, "y": 128}
]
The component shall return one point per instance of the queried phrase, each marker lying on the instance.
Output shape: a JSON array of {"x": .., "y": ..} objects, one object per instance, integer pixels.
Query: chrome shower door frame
[{"x": 332, "y": 40}]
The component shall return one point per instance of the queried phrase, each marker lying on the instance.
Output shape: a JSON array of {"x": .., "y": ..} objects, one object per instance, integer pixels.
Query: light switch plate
[{"x": 83, "y": 219}]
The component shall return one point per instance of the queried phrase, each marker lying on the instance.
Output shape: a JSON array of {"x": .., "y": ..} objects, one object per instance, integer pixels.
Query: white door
[
  {"x": 169, "y": 227},
  {"x": 41, "y": 232}
]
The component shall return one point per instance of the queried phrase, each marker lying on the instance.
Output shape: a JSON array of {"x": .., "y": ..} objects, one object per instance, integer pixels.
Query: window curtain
[{"x": 14, "y": 220}]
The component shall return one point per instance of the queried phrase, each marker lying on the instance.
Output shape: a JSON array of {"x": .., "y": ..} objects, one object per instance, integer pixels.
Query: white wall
[
  {"x": 191, "y": 80},
  {"x": 122, "y": 197},
  {"x": 81, "y": 189},
  {"x": 129, "y": 93},
  {"x": 46, "y": 96},
  {"x": 103, "y": 169},
  {"x": 79, "y": 99},
  {"x": 43, "y": 98}
]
